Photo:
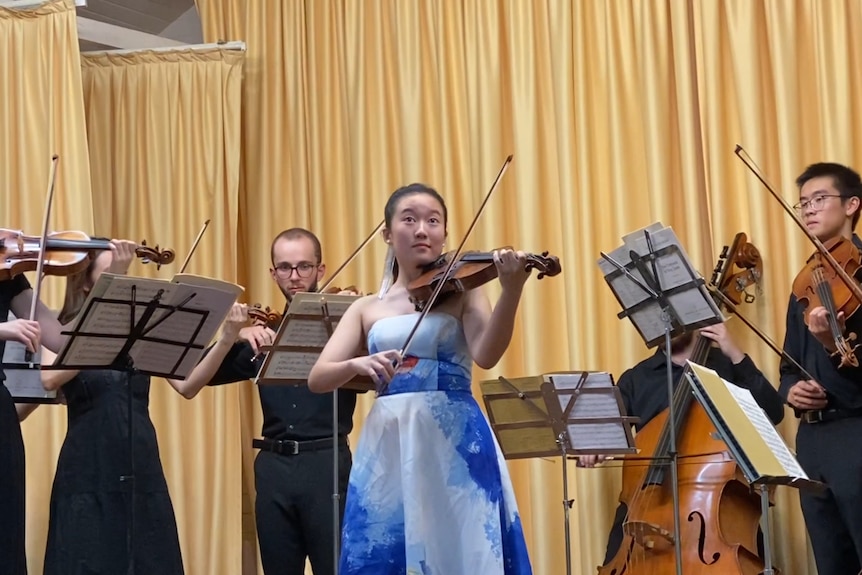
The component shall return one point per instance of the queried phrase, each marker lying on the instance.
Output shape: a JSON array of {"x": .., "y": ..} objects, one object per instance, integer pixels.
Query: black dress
[
  {"x": 87, "y": 532},
  {"x": 12, "y": 561}
]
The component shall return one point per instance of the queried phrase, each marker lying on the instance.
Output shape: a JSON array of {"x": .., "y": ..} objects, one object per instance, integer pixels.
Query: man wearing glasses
[
  {"x": 830, "y": 405},
  {"x": 293, "y": 471}
]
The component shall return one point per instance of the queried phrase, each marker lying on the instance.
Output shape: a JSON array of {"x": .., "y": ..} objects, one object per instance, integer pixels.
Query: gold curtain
[
  {"x": 42, "y": 115},
  {"x": 618, "y": 114}
]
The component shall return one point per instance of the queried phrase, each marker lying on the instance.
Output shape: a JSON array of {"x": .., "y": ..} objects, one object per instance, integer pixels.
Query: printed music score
[
  {"x": 755, "y": 443},
  {"x": 190, "y": 311},
  {"x": 663, "y": 266}
]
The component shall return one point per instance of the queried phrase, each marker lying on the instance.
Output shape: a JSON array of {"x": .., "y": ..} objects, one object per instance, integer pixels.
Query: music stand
[
  {"x": 753, "y": 442},
  {"x": 663, "y": 296},
  {"x": 308, "y": 324},
  {"x": 23, "y": 379},
  {"x": 143, "y": 326},
  {"x": 566, "y": 414}
]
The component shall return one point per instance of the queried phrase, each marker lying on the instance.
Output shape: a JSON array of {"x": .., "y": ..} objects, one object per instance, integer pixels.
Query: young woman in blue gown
[{"x": 429, "y": 491}]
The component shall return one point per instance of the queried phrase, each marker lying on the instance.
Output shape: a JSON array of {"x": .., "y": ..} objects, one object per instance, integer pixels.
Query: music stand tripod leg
[
  {"x": 764, "y": 527},
  {"x": 567, "y": 503},
  {"x": 672, "y": 451}
]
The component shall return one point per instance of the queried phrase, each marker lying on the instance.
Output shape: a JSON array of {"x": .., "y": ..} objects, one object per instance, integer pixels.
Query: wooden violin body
[
  {"x": 65, "y": 253},
  {"x": 472, "y": 270},
  {"x": 820, "y": 284}
]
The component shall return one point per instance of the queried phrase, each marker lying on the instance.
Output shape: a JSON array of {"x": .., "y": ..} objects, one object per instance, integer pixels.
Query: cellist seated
[{"x": 644, "y": 392}]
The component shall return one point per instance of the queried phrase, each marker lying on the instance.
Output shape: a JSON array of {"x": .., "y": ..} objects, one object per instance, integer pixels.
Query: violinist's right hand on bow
[
  {"x": 123, "y": 252},
  {"x": 807, "y": 394},
  {"x": 380, "y": 366},
  {"x": 256, "y": 336},
  {"x": 23, "y": 331},
  {"x": 818, "y": 325}
]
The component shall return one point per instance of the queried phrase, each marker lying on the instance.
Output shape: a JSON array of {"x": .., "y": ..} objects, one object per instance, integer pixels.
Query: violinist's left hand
[
  {"x": 511, "y": 268},
  {"x": 236, "y": 319},
  {"x": 818, "y": 325},
  {"x": 123, "y": 253}
]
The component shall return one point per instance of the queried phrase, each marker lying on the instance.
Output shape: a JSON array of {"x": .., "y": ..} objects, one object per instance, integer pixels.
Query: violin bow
[
  {"x": 40, "y": 266},
  {"x": 194, "y": 246},
  {"x": 765, "y": 338},
  {"x": 439, "y": 287},
  {"x": 352, "y": 256}
]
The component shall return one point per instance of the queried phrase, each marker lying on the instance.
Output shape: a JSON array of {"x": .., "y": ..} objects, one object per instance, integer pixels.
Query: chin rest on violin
[
  {"x": 65, "y": 253},
  {"x": 470, "y": 271}
]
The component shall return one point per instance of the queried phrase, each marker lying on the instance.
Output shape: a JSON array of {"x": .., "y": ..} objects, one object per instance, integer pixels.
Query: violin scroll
[
  {"x": 739, "y": 267},
  {"x": 154, "y": 254},
  {"x": 264, "y": 316}
]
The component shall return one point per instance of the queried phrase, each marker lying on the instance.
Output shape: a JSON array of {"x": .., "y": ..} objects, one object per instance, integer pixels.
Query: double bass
[{"x": 719, "y": 512}]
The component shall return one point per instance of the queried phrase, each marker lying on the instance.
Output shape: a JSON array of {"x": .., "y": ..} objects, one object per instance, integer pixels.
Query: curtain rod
[{"x": 236, "y": 45}]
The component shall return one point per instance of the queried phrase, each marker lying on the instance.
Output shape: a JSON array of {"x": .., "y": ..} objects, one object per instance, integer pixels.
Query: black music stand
[
  {"x": 566, "y": 414},
  {"x": 661, "y": 293},
  {"x": 752, "y": 440},
  {"x": 142, "y": 326},
  {"x": 308, "y": 324}
]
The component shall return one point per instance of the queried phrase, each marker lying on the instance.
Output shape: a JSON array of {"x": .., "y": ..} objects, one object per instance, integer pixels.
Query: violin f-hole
[{"x": 701, "y": 539}]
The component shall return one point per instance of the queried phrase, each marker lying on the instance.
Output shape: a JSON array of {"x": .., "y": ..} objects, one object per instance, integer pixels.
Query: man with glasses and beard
[{"x": 293, "y": 471}]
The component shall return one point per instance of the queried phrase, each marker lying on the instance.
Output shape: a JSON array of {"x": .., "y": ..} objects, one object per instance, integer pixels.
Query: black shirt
[
  {"x": 289, "y": 411},
  {"x": 644, "y": 387},
  {"x": 843, "y": 385}
]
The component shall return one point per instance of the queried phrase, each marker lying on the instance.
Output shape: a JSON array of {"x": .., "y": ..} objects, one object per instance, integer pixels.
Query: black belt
[
  {"x": 824, "y": 415},
  {"x": 291, "y": 447}
]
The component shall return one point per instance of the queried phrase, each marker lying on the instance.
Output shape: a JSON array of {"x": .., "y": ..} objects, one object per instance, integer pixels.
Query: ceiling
[
  {"x": 136, "y": 24},
  {"x": 132, "y": 24}
]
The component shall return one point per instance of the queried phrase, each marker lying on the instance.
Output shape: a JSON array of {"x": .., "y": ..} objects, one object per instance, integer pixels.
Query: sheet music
[
  {"x": 306, "y": 333},
  {"x": 306, "y": 324},
  {"x": 585, "y": 435},
  {"x": 748, "y": 425},
  {"x": 766, "y": 430},
  {"x": 693, "y": 306},
  {"x": 21, "y": 381},
  {"x": 102, "y": 330},
  {"x": 291, "y": 365}
]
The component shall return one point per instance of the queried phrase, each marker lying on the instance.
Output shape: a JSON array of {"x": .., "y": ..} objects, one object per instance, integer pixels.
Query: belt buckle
[
  {"x": 292, "y": 447},
  {"x": 814, "y": 416}
]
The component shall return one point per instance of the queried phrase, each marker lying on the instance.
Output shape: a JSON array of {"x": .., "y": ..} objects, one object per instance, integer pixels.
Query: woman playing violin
[
  {"x": 830, "y": 405},
  {"x": 429, "y": 490},
  {"x": 16, "y": 296},
  {"x": 88, "y": 512}
]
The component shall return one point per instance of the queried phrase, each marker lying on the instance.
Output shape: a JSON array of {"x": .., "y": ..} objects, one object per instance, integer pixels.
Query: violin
[
  {"x": 471, "y": 270},
  {"x": 818, "y": 284},
  {"x": 65, "y": 253}
]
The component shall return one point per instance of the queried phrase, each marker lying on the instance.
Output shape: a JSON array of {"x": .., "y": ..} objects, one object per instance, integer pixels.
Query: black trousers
[
  {"x": 294, "y": 509},
  {"x": 832, "y": 452}
]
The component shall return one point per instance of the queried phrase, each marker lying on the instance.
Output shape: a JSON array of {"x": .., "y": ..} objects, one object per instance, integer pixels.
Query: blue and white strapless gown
[{"x": 429, "y": 490}]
